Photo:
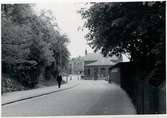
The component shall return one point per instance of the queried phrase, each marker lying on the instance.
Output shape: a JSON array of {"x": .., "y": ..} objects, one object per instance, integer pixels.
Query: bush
[
  {"x": 9, "y": 85},
  {"x": 25, "y": 72}
]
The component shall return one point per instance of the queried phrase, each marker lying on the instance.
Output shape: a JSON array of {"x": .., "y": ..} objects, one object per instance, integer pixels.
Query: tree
[
  {"x": 137, "y": 28},
  {"x": 16, "y": 37},
  {"x": 57, "y": 42},
  {"x": 30, "y": 43}
]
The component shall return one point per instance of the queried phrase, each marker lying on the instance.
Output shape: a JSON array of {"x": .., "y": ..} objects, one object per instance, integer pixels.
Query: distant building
[
  {"x": 96, "y": 66},
  {"x": 76, "y": 65},
  {"x": 92, "y": 65}
]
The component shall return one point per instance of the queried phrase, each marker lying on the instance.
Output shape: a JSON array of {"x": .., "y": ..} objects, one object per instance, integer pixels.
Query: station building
[{"x": 96, "y": 66}]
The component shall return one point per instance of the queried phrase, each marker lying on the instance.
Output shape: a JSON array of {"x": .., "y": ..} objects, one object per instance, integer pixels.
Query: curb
[{"x": 26, "y": 98}]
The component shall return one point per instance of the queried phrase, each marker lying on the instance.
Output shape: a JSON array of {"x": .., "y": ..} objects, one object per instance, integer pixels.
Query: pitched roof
[
  {"x": 100, "y": 59},
  {"x": 97, "y": 56},
  {"x": 92, "y": 56},
  {"x": 104, "y": 61}
]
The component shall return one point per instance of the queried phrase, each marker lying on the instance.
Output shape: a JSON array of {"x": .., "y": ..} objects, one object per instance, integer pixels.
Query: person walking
[{"x": 59, "y": 79}]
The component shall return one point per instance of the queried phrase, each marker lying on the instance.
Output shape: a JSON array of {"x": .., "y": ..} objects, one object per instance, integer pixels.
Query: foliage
[
  {"x": 9, "y": 85},
  {"x": 137, "y": 28},
  {"x": 27, "y": 38}
]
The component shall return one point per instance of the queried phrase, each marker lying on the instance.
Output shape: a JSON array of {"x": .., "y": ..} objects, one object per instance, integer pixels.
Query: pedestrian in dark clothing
[{"x": 59, "y": 79}]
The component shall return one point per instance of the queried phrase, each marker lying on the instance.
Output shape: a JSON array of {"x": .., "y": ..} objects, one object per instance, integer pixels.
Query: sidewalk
[{"x": 12, "y": 97}]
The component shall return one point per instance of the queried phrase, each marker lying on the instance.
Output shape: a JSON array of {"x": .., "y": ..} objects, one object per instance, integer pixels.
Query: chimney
[{"x": 86, "y": 52}]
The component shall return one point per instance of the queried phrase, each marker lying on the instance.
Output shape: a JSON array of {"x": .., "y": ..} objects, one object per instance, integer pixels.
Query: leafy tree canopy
[
  {"x": 133, "y": 28},
  {"x": 136, "y": 28},
  {"x": 27, "y": 37}
]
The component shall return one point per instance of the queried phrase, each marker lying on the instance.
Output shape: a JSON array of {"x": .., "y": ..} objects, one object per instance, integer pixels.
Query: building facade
[
  {"x": 76, "y": 65},
  {"x": 97, "y": 67}
]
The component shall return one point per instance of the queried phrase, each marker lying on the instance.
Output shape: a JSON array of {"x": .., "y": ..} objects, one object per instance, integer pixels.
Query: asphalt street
[{"x": 89, "y": 98}]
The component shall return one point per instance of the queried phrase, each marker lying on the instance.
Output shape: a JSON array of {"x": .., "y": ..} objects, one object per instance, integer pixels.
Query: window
[
  {"x": 102, "y": 72},
  {"x": 88, "y": 72},
  {"x": 114, "y": 70}
]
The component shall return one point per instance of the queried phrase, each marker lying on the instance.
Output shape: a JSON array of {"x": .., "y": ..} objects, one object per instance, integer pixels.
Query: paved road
[{"x": 89, "y": 98}]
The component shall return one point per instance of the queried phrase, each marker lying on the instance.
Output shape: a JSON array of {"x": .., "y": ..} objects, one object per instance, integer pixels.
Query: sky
[{"x": 68, "y": 21}]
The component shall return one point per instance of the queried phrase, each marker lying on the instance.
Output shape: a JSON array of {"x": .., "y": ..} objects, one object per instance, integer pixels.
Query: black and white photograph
[{"x": 85, "y": 58}]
